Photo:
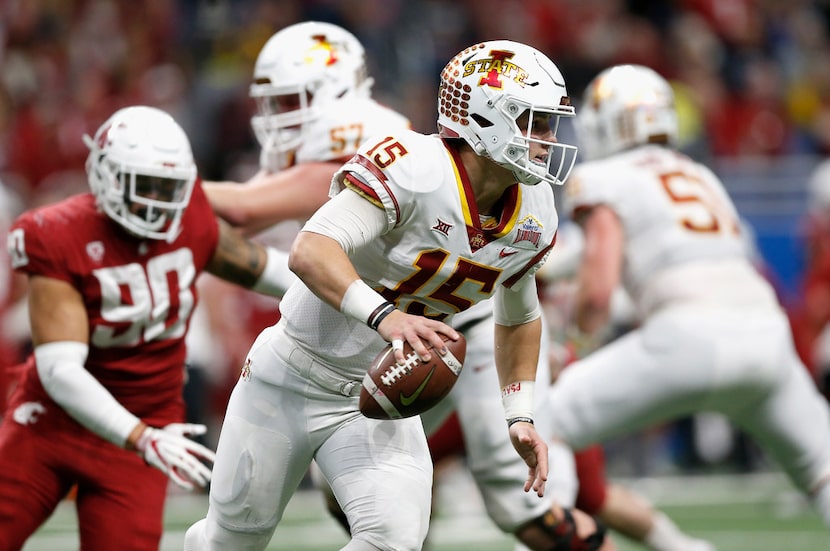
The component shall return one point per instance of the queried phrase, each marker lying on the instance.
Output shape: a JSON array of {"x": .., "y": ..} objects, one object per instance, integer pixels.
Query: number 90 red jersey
[{"x": 139, "y": 295}]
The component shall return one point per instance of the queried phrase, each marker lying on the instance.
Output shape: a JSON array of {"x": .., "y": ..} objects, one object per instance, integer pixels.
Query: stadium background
[{"x": 752, "y": 78}]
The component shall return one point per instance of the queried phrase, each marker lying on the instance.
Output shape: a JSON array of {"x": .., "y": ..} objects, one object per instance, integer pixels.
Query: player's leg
[
  {"x": 633, "y": 516},
  {"x": 658, "y": 372},
  {"x": 120, "y": 501},
  {"x": 263, "y": 453},
  {"x": 381, "y": 474},
  {"x": 497, "y": 469},
  {"x": 590, "y": 472},
  {"x": 445, "y": 442},
  {"x": 792, "y": 424},
  {"x": 30, "y": 486},
  {"x": 625, "y": 511}
]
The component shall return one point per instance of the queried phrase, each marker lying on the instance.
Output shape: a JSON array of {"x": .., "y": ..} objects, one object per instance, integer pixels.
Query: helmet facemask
[
  {"x": 530, "y": 149},
  {"x": 284, "y": 115}
]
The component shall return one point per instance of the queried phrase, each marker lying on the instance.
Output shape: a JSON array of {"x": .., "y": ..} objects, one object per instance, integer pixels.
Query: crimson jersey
[{"x": 139, "y": 295}]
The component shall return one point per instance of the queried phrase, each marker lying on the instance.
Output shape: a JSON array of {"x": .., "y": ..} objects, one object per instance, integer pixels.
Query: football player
[
  {"x": 314, "y": 110},
  {"x": 712, "y": 335},
  {"x": 424, "y": 225},
  {"x": 111, "y": 278}
]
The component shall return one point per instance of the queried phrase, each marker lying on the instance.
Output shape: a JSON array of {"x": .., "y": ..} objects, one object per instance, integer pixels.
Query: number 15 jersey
[{"x": 438, "y": 255}]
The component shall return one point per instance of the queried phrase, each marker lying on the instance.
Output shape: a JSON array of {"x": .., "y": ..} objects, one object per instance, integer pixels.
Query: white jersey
[
  {"x": 337, "y": 133},
  {"x": 682, "y": 232},
  {"x": 436, "y": 257}
]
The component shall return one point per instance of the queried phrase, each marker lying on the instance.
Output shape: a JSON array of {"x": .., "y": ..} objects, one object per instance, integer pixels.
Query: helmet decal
[
  {"x": 323, "y": 49},
  {"x": 496, "y": 67}
]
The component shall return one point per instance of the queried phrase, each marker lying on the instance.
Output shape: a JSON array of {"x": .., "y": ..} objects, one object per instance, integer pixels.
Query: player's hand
[
  {"x": 419, "y": 331},
  {"x": 170, "y": 451},
  {"x": 533, "y": 449}
]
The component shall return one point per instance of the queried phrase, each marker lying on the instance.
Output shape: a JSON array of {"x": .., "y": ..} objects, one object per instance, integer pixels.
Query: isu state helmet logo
[
  {"x": 495, "y": 68},
  {"x": 321, "y": 51}
]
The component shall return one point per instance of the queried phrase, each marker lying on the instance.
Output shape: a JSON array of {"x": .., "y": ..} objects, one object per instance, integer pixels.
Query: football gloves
[{"x": 170, "y": 451}]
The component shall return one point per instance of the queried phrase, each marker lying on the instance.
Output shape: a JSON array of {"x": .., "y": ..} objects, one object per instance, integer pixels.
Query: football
[{"x": 394, "y": 390}]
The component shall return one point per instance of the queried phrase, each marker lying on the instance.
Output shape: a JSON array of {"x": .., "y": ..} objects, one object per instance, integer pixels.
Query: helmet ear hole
[{"x": 481, "y": 121}]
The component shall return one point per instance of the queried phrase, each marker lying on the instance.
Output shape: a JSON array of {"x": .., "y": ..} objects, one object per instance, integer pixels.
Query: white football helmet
[
  {"x": 625, "y": 106},
  {"x": 302, "y": 69},
  {"x": 141, "y": 171},
  {"x": 486, "y": 88}
]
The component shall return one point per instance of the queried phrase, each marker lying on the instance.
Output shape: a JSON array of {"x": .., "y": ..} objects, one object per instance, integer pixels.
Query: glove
[{"x": 169, "y": 451}]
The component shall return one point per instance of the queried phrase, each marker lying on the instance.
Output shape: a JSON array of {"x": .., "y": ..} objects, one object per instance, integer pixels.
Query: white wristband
[
  {"x": 517, "y": 400},
  {"x": 365, "y": 304},
  {"x": 275, "y": 278}
]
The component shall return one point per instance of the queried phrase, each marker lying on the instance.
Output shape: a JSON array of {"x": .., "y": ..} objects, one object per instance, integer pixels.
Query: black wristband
[
  {"x": 379, "y": 314},
  {"x": 514, "y": 420}
]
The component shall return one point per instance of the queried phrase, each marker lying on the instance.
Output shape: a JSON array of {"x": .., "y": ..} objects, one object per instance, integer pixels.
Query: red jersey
[{"x": 139, "y": 295}]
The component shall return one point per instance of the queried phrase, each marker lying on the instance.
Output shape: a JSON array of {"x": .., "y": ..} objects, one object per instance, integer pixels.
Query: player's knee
[
  {"x": 562, "y": 535},
  {"x": 393, "y": 534},
  {"x": 245, "y": 502},
  {"x": 205, "y": 536}
]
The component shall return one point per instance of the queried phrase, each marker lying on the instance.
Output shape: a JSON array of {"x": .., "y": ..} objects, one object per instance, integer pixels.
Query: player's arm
[
  {"x": 518, "y": 334},
  {"x": 319, "y": 257},
  {"x": 250, "y": 264},
  {"x": 60, "y": 338},
  {"x": 599, "y": 273},
  {"x": 272, "y": 197}
]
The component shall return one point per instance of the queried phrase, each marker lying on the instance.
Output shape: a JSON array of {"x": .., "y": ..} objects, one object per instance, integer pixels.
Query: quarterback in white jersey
[
  {"x": 712, "y": 334},
  {"x": 419, "y": 228},
  {"x": 299, "y": 160}
]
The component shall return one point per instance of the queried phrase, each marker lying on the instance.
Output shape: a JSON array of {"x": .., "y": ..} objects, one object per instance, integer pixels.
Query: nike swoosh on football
[
  {"x": 406, "y": 401},
  {"x": 504, "y": 252}
]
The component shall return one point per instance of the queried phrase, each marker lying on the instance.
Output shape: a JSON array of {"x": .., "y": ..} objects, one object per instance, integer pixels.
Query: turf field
[{"x": 737, "y": 513}]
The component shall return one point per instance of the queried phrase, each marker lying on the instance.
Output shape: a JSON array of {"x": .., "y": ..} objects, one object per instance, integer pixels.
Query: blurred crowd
[{"x": 752, "y": 78}]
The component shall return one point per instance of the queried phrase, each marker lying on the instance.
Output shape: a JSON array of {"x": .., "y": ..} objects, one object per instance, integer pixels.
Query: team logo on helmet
[
  {"x": 495, "y": 68},
  {"x": 323, "y": 51}
]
